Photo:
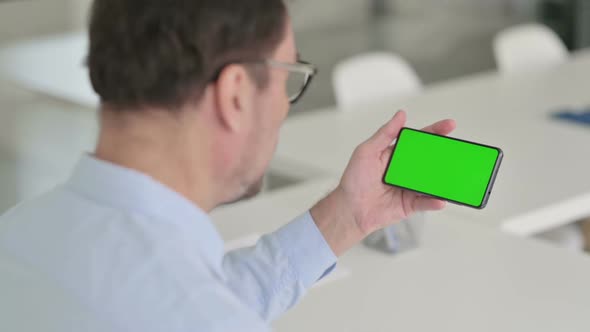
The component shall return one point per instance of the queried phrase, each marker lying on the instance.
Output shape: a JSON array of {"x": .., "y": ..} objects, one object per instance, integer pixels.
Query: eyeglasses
[{"x": 300, "y": 76}]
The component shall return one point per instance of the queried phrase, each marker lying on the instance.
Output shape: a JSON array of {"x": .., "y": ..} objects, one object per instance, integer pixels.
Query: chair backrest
[
  {"x": 373, "y": 76},
  {"x": 528, "y": 47}
]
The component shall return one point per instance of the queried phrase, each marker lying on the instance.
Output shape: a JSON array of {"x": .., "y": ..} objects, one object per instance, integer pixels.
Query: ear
[{"x": 234, "y": 95}]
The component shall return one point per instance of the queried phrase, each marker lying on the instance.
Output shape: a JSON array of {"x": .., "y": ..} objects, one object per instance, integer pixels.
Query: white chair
[
  {"x": 373, "y": 76},
  {"x": 528, "y": 47}
]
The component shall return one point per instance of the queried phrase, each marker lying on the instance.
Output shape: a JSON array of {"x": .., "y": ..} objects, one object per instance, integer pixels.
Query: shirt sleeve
[{"x": 274, "y": 275}]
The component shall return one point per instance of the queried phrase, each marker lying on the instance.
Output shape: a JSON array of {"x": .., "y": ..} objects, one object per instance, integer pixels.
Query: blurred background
[
  {"x": 514, "y": 73},
  {"x": 441, "y": 39},
  {"x": 47, "y": 118}
]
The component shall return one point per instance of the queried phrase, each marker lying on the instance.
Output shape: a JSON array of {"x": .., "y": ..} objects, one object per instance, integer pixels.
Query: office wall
[
  {"x": 23, "y": 18},
  {"x": 79, "y": 10},
  {"x": 313, "y": 14},
  {"x": 27, "y": 18}
]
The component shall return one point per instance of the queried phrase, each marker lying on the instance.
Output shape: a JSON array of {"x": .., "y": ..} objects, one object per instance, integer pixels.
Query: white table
[
  {"x": 464, "y": 277},
  {"x": 543, "y": 182},
  {"x": 52, "y": 65}
]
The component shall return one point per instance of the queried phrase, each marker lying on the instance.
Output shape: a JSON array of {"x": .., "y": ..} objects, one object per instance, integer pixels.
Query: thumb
[
  {"x": 424, "y": 203},
  {"x": 386, "y": 134}
]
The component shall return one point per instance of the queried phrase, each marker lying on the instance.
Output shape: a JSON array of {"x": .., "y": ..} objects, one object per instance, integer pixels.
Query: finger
[
  {"x": 424, "y": 203},
  {"x": 386, "y": 134},
  {"x": 443, "y": 127}
]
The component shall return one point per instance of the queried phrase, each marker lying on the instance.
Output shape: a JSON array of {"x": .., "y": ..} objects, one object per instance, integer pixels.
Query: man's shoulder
[
  {"x": 56, "y": 196},
  {"x": 126, "y": 274},
  {"x": 49, "y": 230},
  {"x": 207, "y": 305}
]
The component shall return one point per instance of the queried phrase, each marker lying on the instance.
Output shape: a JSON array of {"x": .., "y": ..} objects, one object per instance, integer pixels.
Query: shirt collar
[{"x": 131, "y": 191}]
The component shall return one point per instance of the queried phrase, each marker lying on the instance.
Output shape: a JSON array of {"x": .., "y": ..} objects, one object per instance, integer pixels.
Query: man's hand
[{"x": 362, "y": 204}]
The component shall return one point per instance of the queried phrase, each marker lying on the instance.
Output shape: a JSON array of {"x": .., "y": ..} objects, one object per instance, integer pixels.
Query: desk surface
[
  {"x": 543, "y": 181},
  {"x": 464, "y": 277}
]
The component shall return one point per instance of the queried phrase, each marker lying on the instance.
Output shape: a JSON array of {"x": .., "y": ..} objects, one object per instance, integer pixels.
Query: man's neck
[{"x": 154, "y": 145}]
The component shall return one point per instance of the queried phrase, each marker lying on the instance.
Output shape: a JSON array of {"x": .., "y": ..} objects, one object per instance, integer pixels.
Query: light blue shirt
[{"x": 114, "y": 250}]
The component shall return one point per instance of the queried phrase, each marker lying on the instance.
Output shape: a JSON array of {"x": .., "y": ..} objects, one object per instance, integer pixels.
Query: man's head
[{"x": 207, "y": 66}]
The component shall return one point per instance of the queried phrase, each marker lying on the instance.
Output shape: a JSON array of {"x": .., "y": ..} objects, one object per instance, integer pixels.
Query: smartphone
[{"x": 450, "y": 169}]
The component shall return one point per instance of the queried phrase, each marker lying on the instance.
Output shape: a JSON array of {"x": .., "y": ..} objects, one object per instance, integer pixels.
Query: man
[{"x": 193, "y": 93}]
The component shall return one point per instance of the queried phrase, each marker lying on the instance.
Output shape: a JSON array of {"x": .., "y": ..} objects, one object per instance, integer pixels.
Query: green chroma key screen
[{"x": 454, "y": 170}]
